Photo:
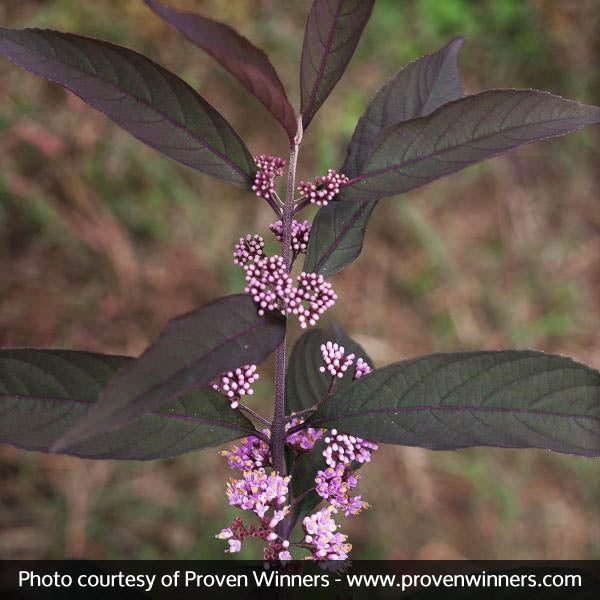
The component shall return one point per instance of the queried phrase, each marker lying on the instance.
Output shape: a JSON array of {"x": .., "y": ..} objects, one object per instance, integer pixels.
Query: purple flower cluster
[
  {"x": 251, "y": 454},
  {"x": 320, "y": 535},
  {"x": 235, "y": 384},
  {"x": 305, "y": 439},
  {"x": 333, "y": 484},
  {"x": 265, "y": 493},
  {"x": 259, "y": 492},
  {"x": 300, "y": 234},
  {"x": 269, "y": 167},
  {"x": 323, "y": 189}
]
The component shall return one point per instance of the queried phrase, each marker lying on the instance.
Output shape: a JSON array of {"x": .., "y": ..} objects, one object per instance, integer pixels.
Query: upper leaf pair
[
  {"x": 418, "y": 129},
  {"x": 163, "y": 111}
]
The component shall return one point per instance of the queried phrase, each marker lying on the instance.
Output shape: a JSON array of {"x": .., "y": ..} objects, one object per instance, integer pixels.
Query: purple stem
[{"x": 278, "y": 423}]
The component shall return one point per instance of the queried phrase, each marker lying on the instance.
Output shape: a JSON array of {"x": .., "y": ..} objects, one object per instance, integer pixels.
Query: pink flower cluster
[
  {"x": 248, "y": 249},
  {"x": 300, "y": 234},
  {"x": 259, "y": 492},
  {"x": 272, "y": 288},
  {"x": 268, "y": 282},
  {"x": 345, "y": 449},
  {"x": 235, "y": 384},
  {"x": 251, "y": 454},
  {"x": 334, "y": 485},
  {"x": 310, "y": 299},
  {"x": 336, "y": 362},
  {"x": 362, "y": 368},
  {"x": 320, "y": 534},
  {"x": 305, "y": 439},
  {"x": 336, "y": 481},
  {"x": 323, "y": 189},
  {"x": 269, "y": 167}
]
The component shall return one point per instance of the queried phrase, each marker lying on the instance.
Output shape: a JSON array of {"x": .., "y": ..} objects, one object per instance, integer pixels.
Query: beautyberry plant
[{"x": 297, "y": 471}]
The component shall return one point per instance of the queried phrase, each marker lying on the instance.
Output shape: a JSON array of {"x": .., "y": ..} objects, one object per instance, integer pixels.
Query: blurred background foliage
[{"x": 102, "y": 240}]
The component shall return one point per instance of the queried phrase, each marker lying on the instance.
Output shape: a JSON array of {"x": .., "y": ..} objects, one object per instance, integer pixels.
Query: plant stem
[{"x": 278, "y": 423}]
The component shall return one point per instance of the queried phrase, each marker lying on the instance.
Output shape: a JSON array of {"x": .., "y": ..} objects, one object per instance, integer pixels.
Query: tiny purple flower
[{"x": 305, "y": 439}]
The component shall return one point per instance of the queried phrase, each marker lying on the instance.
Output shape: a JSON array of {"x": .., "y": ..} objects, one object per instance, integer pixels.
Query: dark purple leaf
[
  {"x": 337, "y": 235},
  {"x": 44, "y": 392},
  {"x": 305, "y": 385},
  {"x": 191, "y": 351},
  {"x": 150, "y": 102},
  {"x": 417, "y": 90},
  {"x": 413, "y": 153},
  {"x": 509, "y": 399},
  {"x": 247, "y": 63},
  {"x": 332, "y": 32},
  {"x": 303, "y": 478}
]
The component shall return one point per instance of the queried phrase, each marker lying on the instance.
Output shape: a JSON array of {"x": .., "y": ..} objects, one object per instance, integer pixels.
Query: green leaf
[
  {"x": 142, "y": 97},
  {"x": 332, "y": 32},
  {"x": 417, "y": 90},
  {"x": 44, "y": 392},
  {"x": 413, "y": 153},
  {"x": 305, "y": 385},
  {"x": 192, "y": 350},
  {"x": 509, "y": 399}
]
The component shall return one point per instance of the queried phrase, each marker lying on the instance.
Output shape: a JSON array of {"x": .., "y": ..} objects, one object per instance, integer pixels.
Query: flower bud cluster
[
  {"x": 268, "y": 282},
  {"x": 235, "y": 384},
  {"x": 305, "y": 439},
  {"x": 346, "y": 449},
  {"x": 310, "y": 298},
  {"x": 249, "y": 249},
  {"x": 269, "y": 167},
  {"x": 336, "y": 362},
  {"x": 300, "y": 234},
  {"x": 320, "y": 533},
  {"x": 362, "y": 368},
  {"x": 323, "y": 189},
  {"x": 272, "y": 288}
]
